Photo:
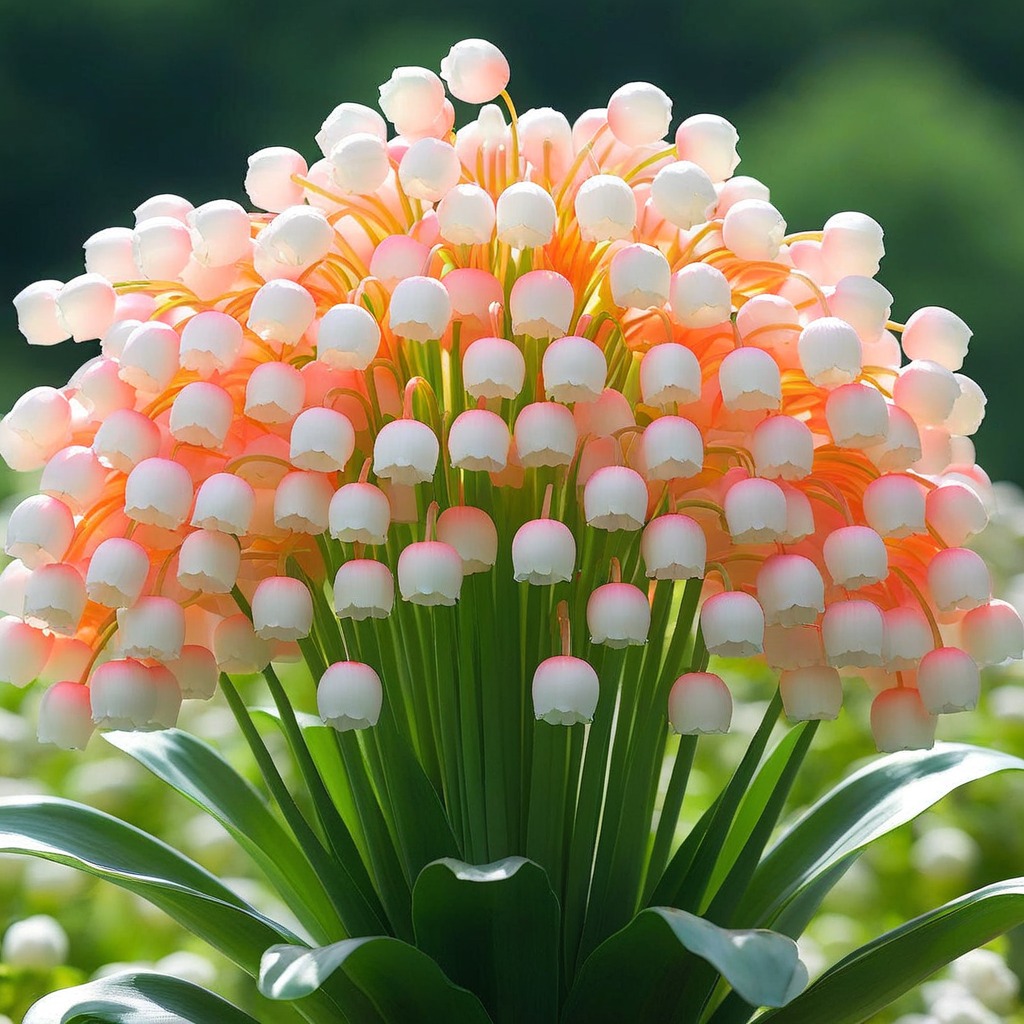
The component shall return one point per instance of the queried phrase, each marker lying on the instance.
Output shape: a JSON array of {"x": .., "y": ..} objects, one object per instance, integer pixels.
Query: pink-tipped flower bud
[
  {"x": 158, "y": 492},
  {"x": 86, "y": 305},
  {"x": 901, "y": 448},
  {"x": 164, "y": 205},
  {"x": 129, "y": 695},
  {"x": 363, "y": 589},
  {"x": 750, "y": 381},
  {"x": 38, "y": 319},
  {"x": 541, "y": 304},
  {"x": 476, "y": 71},
  {"x": 809, "y": 694},
  {"x": 196, "y": 672},
  {"x": 639, "y": 114},
  {"x": 574, "y": 370},
  {"x": 360, "y": 163},
  {"x": 471, "y": 532},
  {"x": 894, "y": 506},
  {"x": 429, "y": 169},
  {"x": 274, "y": 393},
  {"x": 282, "y": 609},
  {"x": 565, "y": 691},
  {"x": 830, "y": 352},
  {"x": 855, "y": 557},
  {"x": 281, "y": 312},
  {"x": 359, "y": 513},
  {"x": 525, "y": 216},
  {"x": 13, "y": 580},
  {"x": 545, "y": 435},
  {"x": 349, "y": 696},
  {"x": 74, "y": 476},
  {"x": 791, "y": 590},
  {"x": 755, "y": 511},
  {"x": 854, "y": 634},
  {"x": 683, "y": 194},
  {"x": 208, "y": 562},
  {"x": 39, "y": 531},
  {"x": 237, "y": 647},
  {"x": 493, "y": 368},
  {"x": 857, "y": 416},
  {"x": 220, "y": 233},
  {"x": 398, "y": 257},
  {"x": 992, "y": 633},
  {"x": 161, "y": 247},
  {"x": 956, "y": 512},
  {"x": 479, "y": 440},
  {"x": 673, "y": 548},
  {"x": 65, "y": 716},
  {"x": 412, "y": 100},
  {"x": 153, "y": 627},
  {"x": 769, "y": 322},
  {"x": 670, "y": 374},
  {"x": 851, "y": 244},
  {"x": 700, "y": 296},
  {"x": 959, "y": 578},
  {"x": 430, "y": 573},
  {"x": 405, "y": 452},
  {"x": 754, "y": 229},
  {"x": 151, "y": 357},
  {"x": 349, "y": 119},
  {"x": 348, "y": 337},
  {"x": 605, "y": 208},
  {"x": 948, "y": 681},
  {"x": 792, "y": 647},
  {"x": 545, "y": 141},
  {"x": 639, "y": 276},
  {"x": 968, "y": 412},
  {"x": 465, "y": 214},
  {"x": 908, "y": 638},
  {"x": 900, "y": 721},
  {"x": 737, "y": 189},
  {"x": 24, "y": 650},
  {"x": 117, "y": 572},
  {"x": 211, "y": 342},
  {"x": 673, "y": 448},
  {"x": 201, "y": 415},
  {"x": 292, "y": 242},
  {"x": 732, "y": 624},
  {"x": 302, "y": 501},
  {"x": 43, "y": 416},
  {"x": 782, "y": 448},
  {"x": 926, "y": 391},
  {"x": 710, "y": 142},
  {"x": 605, "y": 417},
  {"x": 100, "y": 388},
  {"x": 322, "y": 440},
  {"x": 615, "y": 498},
  {"x": 937, "y": 335},
  {"x": 543, "y": 553},
  {"x": 618, "y": 615},
  {"x": 421, "y": 309},
  {"x": 224, "y": 502},
  {"x": 699, "y": 703},
  {"x": 864, "y": 304}
]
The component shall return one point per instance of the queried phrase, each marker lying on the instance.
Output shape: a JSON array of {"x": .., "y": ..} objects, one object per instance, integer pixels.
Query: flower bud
[
  {"x": 792, "y": 647},
  {"x": 348, "y": 338},
  {"x": 541, "y": 304},
  {"x": 65, "y": 719},
  {"x": 429, "y": 169},
  {"x": 420, "y": 309},
  {"x": 493, "y": 368},
  {"x": 992, "y": 633},
  {"x": 926, "y": 391},
  {"x": 733, "y": 625},
  {"x": 710, "y": 142},
  {"x": 224, "y": 502},
  {"x": 39, "y": 531},
  {"x": 35, "y": 943},
  {"x": 700, "y": 296},
  {"x": 525, "y": 215},
  {"x": 360, "y": 163},
  {"x": 412, "y": 100},
  {"x": 857, "y": 416},
  {"x": 100, "y": 388},
  {"x": 738, "y": 188},
  {"x": 38, "y": 320},
  {"x": 639, "y": 276},
  {"x": 43, "y": 416},
  {"x": 894, "y": 506},
  {"x": 948, "y": 681},
  {"x": 471, "y": 532},
  {"x": 405, "y": 452},
  {"x": 196, "y": 672},
  {"x": 864, "y": 304},
  {"x": 618, "y": 614},
  {"x": 117, "y": 573},
  {"x": 855, "y": 557},
  {"x": 936, "y": 335},
  {"x": 782, "y": 448},
  {"x": 811, "y": 694},
  {"x": 901, "y": 448},
  {"x": 349, "y": 696},
  {"x": 791, "y": 590},
  {"x": 294, "y": 240},
  {"x": 55, "y": 598},
  {"x": 151, "y": 357},
  {"x": 476, "y": 71},
  {"x": 565, "y": 691},
  {"x": 208, "y": 562},
  {"x": 466, "y": 215},
  {"x": 349, "y": 119},
  {"x": 164, "y": 205},
  {"x": 673, "y": 448},
  {"x": 853, "y": 633},
  {"x": 545, "y": 140},
  {"x": 683, "y": 194},
  {"x": 673, "y": 548},
  {"x": 153, "y": 627},
  {"x": 545, "y": 435},
  {"x": 211, "y": 342},
  {"x": 237, "y": 647},
  {"x": 75, "y": 477},
  {"x": 750, "y": 381},
  {"x": 363, "y": 589},
  {"x": 605, "y": 208},
  {"x": 301, "y": 502},
  {"x": 699, "y": 703},
  {"x": 956, "y": 512},
  {"x": 359, "y": 513},
  {"x": 161, "y": 247},
  {"x": 830, "y": 352},
  {"x": 753, "y": 229},
  {"x": 86, "y": 306},
  {"x": 281, "y": 312},
  {"x": 615, "y": 498},
  {"x": 322, "y": 440},
  {"x": 158, "y": 492},
  {"x": 274, "y": 393},
  {"x": 968, "y": 412},
  {"x": 282, "y": 609},
  {"x": 430, "y": 573},
  {"x": 220, "y": 233},
  {"x": 543, "y": 553},
  {"x": 479, "y": 440},
  {"x": 23, "y": 650},
  {"x": 959, "y": 578},
  {"x": 908, "y": 638},
  {"x": 670, "y": 374},
  {"x": 755, "y": 511},
  {"x": 574, "y": 370},
  {"x": 851, "y": 244},
  {"x": 639, "y": 114},
  {"x": 13, "y": 580},
  {"x": 201, "y": 415}
]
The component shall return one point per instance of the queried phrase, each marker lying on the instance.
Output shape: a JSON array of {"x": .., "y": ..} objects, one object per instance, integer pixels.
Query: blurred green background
[{"x": 911, "y": 112}]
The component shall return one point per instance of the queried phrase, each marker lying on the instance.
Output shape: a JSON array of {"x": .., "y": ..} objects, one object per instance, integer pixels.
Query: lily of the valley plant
[{"x": 501, "y": 433}]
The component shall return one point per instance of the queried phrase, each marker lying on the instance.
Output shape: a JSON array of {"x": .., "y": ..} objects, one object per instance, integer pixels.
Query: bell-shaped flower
[
  {"x": 639, "y": 114},
  {"x": 302, "y": 501},
  {"x": 792, "y": 647},
  {"x": 430, "y": 573},
  {"x": 791, "y": 590},
  {"x": 153, "y": 627},
  {"x": 615, "y": 498},
  {"x": 857, "y": 416},
  {"x": 958, "y": 578},
  {"x": 750, "y": 381},
  {"x": 543, "y": 553},
  {"x": 321, "y": 440},
  {"x": 618, "y": 615},
  {"x": 493, "y": 368},
  {"x": 196, "y": 671},
  {"x": 830, "y": 352},
  {"x": 673, "y": 448},
  {"x": 274, "y": 393},
  {"x": 783, "y": 448},
  {"x": 38, "y": 320},
  {"x": 851, "y": 244},
  {"x": 282, "y": 609},
  {"x": 525, "y": 216},
  {"x": 224, "y": 502},
  {"x": 864, "y": 304},
  {"x": 150, "y": 358},
  {"x": 293, "y": 241},
  {"x": 737, "y": 189},
  {"x": 753, "y": 229},
  {"x": 86, "y": 305},
  {"x": 475, "y": 70},
  {"x": 755, "y": 511},
  {"x": 811, "y": 694},
  {"x": 471, "y": 532},
  {"x": 359, "y": 513},
  {"x": 465, "y": 215},
  {"x": 39, "y": 531},
  {"x": 74, "y": 476},
  {"x": 545, "y": 140},
  {"x": 956, "y": 512},
  {"x": 349, "y": 696},
  {"x": 927, "y": 391},
  {"x": 167, "y": 204},
  {"x": 854, "y": 634},
  {"x": 639, "y": 276},
  {"x": 541, "y": 304},
  {"x": 605, "y": 208},
  {"x": 968, "y": 412},
  {"x": 710, "y": 142},
  {"x": 201, "y": 415},
  {"x": 901, "y": 448},
  {"x": 908, "y": 638},
  {"x": 65, "y": 716},
  {"x": 670, "y": 374},
  {"x": 574, "y": 370},
  {"x": 700, "y": 296},
  {"x": 948, "y": 681},
  {"x": 220, "y": 233},
  {"x": 699, "y": 703},
  {"x": 281, "y": 312},
  {"x": 900, "y": 721},
  {"x": 349, "y": 119},
  {"x": 125, "y": 695},
  {"x": 894, "y": 506},
  {"x": 565, "y": 691},
  {"x": 161, "y": 247},
  {"x": 733, "y": 625},
  {"x": 158, "y": 492},
  {"x": 420, "y": 309},
  {"x": 855, "y": 557},
  {"x": 363, "y": 589},
  {"x": 412, "y": 99},
  {"x": 673, "y": 547},
  {"x": 479, "y": 440},
  {"x": 405, "y": 452},
  {"x": 239, "y": 650},
  {"x": 683, "y": 194},
  {"x": 992, "y": 633},
  {"x": 24, "y": 650},
  {"x": 360, "y": 163},
  {"x": 799, "y": 516},
  {"x": 208, "y": 562},
  {"x": 117, "y": 572},
  {"x": 545, "y": 435},
  {"x": 936, "y": 335},
  {"x": 211, "y": 342},
  {"x": 348, "y": 337}
]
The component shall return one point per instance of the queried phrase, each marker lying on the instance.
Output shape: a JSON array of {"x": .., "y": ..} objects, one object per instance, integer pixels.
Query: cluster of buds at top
[{"x": 548, "y": 329}]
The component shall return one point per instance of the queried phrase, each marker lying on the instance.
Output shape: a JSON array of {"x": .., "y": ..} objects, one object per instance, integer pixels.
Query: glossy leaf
[{"x": 494, "y": 929}]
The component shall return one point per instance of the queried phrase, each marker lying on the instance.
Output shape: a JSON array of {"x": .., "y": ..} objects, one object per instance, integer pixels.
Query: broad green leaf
[
  {"x": 641, "y": 972},
  {"x": 199, "y": 773},
  {"x": 135, "y": 999},
  {"x": 383, "y": 981},
  {"x": 879, "y": 798},
  {"x": 494, "y": 929},
  {"x": 871, "y": 977}
]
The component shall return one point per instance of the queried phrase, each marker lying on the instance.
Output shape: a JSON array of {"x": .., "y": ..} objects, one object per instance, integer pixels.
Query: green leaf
[
  {"x": 873, "y": 976},
  {"x": 135, "y": 999},
  {"x": 493, "y": 929},
  {"x": 880, "y": 797},
  {"x": 199, "y": 773},
  {"x": 382, "y": 981},
  {"x": 641, "y": 972}
]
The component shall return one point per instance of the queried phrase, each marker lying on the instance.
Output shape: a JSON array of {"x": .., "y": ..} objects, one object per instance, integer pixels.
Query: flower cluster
[{"x": 574, "y": 356}]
